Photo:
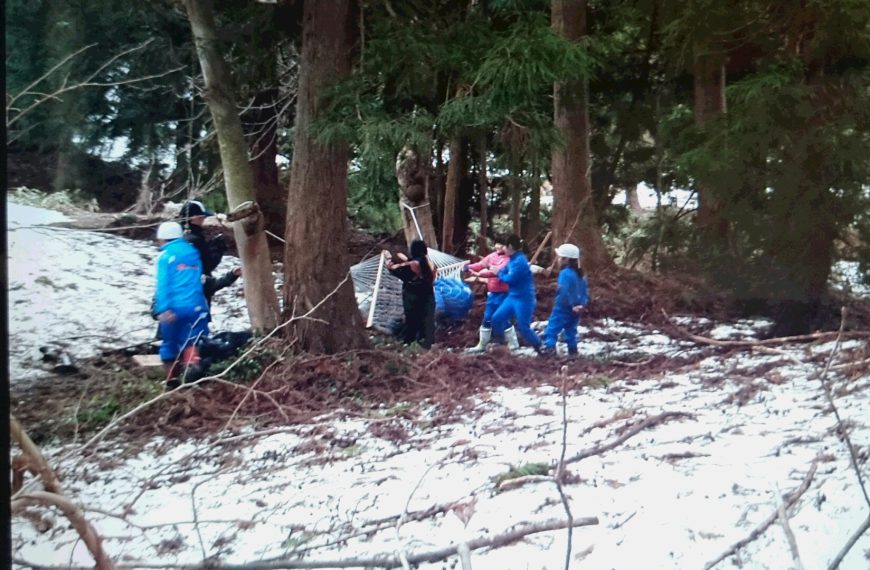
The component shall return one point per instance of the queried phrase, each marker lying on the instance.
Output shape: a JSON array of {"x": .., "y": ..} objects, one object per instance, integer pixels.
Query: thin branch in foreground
[
  {"x": 765, "y": 524},
  {"x": 841, "y": 428},
  {"x": 789, "y": 535},
  {"x": 560, "y": 468},
  {"x": 379, "y": 561},
  {"x": 631, "y": 432},
  {"x": 835, "y": 563}
]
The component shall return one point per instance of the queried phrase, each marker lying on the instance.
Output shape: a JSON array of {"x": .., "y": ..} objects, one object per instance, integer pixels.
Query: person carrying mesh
[
  {"x": 497, "y": 290},
  {"x": 520, "y": 302},
  {"x": 418, "y": 293},
  {"x": 572, "y": 296}
]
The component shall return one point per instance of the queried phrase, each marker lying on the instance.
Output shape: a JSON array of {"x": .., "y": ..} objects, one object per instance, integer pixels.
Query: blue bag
[{"x": 453, "y": 298}]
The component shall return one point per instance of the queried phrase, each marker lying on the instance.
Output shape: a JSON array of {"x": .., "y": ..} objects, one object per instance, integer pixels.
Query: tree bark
[
  {"x": 436, "y": 193},
  {"x": 709, "y": 88},
  {"x": 456, "y": 168},
  {"x": 483, "y": 190},
  {"x": 533, "y": 216},
  {"x": 516, "y": 187},
  {"x": 260, "y": 295},
  {"x": 316, "y": 265},
  {"x": 574, "y": 217},
  {"x": 412, "y": 173},
  {"x": 632, "y": 200},
  {"x": 264, "y": 152}
]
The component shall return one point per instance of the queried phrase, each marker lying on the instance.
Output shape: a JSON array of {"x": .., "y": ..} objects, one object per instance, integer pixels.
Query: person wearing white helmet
[
  {"x": 179, "y": 302},
  {"x": 572, "y": 296}
]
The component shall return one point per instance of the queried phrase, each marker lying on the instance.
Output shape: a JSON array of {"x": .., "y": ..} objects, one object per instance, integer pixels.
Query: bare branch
[
  {"x": 789, "y": 535},
  {"x": 11, "y": 100},
  {"x": 378, "y": 561},
  {"x": 835, "y": 563},
  {"x": 765, "y": 524},
  {"x": 46, "y": 473},
  {"x": 631, "y": 432},
  {"x": 560, "y": 468}
]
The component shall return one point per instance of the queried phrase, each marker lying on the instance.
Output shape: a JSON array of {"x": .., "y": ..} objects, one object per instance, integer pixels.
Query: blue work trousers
[
  {"x": 565, "y": 323},
  {"x": 520, "y": 309},
  {"x": 494, "y": 299},
  {"x": 184, "y": 331}
]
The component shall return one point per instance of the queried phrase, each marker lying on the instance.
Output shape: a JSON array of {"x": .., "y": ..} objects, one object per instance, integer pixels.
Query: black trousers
[{"x": 419, "y": 317}]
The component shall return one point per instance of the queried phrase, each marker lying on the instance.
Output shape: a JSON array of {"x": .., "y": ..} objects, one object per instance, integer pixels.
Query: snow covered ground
[
  {"x": 676, "y": 495},
  {"x": 83, "y": 290}
]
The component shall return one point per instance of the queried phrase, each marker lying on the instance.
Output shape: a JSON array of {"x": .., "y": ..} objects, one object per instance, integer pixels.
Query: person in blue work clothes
[
  {"x": 572, "y": 296},
  {"x": 179, "y": 301},
  {"x": 520, "y": 302}
]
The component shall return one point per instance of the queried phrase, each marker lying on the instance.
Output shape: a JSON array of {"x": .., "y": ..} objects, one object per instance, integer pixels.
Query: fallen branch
[
  {"x": 75, "y": 516},
  {"x": 631, "y": 432},
  {"x": 789, "y": 535},
  {"x": 769, "y": 341},
  {"x": 36, "y": 460},
  {"x": 791, "y": 499},
  {"x": 560, "y": 468},
  {"x": 380, "y": 561},
  {"x": 835, "y": 563}
]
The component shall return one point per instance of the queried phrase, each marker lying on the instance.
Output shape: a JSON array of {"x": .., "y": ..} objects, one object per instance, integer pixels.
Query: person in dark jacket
[
  {"x": 179, "y": 301},
  {"x": 418, "y": 293},
  {"x": 192, "y": 218},
  {"x": 521, "y": 299},
  {"x": 572, "y": 296}
]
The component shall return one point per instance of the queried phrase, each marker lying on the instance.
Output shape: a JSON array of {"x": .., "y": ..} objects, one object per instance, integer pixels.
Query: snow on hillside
[
  {"x": 745, "y": 429},
  {"x": 83, "y": 290}
]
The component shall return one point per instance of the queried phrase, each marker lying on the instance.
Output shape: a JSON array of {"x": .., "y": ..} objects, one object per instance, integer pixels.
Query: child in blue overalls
[{"x": 572, "y": 296}]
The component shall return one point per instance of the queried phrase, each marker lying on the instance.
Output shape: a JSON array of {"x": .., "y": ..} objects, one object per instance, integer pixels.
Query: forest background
[{"x": 759, "y": 109}]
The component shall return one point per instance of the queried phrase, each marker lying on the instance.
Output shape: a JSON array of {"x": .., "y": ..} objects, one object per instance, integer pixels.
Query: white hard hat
[
  {"x": 169, "y": 230},
  {"x": 568, "y": 250}
]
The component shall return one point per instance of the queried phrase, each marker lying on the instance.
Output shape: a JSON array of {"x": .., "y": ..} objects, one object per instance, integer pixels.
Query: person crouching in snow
[
  {"x": 520, "y": 302},
  {"x": 418, "y": 293},
  {"x": 179, "y": 301},
  {"x": 497, "y": 290},
  {"x": 572, "y": 296}
]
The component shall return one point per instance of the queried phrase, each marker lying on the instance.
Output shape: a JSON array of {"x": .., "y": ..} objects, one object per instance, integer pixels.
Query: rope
[{"x": 414, "y": 216}]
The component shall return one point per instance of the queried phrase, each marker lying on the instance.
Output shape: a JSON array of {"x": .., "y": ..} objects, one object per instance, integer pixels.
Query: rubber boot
[
  {"x": 510, "y": 336},
  {"x": 485, "y": 335}
]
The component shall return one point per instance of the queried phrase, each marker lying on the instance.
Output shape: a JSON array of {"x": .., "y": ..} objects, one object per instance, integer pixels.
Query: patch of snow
[
  {"x": 84, "y": 291},
  {"x": 674, "y": 496},
  {"x": 847, "y": 275}
]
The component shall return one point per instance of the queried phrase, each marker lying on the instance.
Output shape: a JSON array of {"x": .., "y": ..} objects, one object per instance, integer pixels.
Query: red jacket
[{"x": 488, "y": 267}]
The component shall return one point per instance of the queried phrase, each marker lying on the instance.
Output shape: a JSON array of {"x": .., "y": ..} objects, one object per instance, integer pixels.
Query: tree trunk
[
  {"x": 632, "y": 200},
  {"x": 260, "y": 294},
  {"x": 709, "y": 87},
  {"x": 533, "y": 216},
  {"x": 412, "y": 173},
  {"x": 316, "y": 265},
  {"x": 436, "y": 193},
  {"x": 264, "y": 152},
  {"x": 574, "y": 217},
  {"x": 483, "y": 190},
  {"x": 516, "y": 187},
  {"x": 455, "y": 172}
]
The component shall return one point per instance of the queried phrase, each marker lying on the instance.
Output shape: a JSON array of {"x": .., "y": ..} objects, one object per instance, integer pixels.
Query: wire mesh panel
[{"x": 379, "y": 294}]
